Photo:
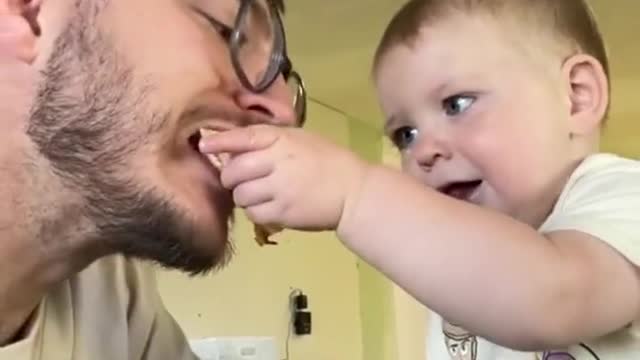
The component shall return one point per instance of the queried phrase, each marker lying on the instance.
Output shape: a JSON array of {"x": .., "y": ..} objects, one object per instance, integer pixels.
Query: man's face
[{"x": 127, "y": 84}]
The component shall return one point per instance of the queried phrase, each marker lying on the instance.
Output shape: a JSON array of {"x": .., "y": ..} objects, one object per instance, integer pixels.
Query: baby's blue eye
[
  {"x": 403, "y": 137},
  {"x": 457, "y": 104}
]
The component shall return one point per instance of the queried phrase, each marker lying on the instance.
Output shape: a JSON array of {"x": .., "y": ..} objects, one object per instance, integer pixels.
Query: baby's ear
[
  {"x": 588, "y": 90},
  {"x": 19, "y": 29}
]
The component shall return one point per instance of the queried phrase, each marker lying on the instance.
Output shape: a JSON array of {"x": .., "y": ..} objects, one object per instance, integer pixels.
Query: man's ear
[
  {"x": 588, "y": 89},
  {"x": 19, "y": 29}
]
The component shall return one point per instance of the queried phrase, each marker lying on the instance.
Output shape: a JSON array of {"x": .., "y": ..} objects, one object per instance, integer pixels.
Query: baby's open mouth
[{"x": 461, "y": 190}]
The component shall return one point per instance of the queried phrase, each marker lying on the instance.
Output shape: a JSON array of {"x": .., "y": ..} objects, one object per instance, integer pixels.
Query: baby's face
[{"x": 478, "y": 116}]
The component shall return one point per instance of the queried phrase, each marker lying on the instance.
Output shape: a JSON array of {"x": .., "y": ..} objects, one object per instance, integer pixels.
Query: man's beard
[{"x": 89, "y": 121}]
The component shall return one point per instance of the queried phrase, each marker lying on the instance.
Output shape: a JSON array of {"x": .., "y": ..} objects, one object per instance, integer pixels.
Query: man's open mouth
[
  {"x": 461, "y": 190},
  {"x": 262, "y": 232},
  {"x": 194, "y": 141}
]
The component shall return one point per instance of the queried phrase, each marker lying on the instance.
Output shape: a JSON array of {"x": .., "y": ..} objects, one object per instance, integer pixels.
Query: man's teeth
[
  {"x": 215, "y": 160},
  {"x": 218, "y": 160}
]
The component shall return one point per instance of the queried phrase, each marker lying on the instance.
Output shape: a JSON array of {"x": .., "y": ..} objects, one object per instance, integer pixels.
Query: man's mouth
[
  {"x": 206, "y": 170},
  {"x": 461, "y": 190},
  {"x": 217, "y": 160},
  {"x": 194, "y": 140}
]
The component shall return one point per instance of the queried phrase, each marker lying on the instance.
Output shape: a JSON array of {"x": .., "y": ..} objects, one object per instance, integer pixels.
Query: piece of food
[{"x": 262, "y": 232}]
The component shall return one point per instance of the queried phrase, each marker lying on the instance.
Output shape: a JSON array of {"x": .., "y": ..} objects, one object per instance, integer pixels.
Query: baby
[{"x": 509, "y": 224}]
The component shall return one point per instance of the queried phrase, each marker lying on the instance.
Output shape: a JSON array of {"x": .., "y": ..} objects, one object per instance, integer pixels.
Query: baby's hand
[{"x": 287, "y": 176}]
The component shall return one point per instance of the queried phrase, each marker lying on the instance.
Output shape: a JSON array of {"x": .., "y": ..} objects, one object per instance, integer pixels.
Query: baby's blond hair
[{"x": 570, "y": 23}]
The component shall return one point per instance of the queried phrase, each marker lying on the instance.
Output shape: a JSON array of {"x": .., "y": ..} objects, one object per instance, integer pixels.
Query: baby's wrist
[{"x": 353, "y": 198}]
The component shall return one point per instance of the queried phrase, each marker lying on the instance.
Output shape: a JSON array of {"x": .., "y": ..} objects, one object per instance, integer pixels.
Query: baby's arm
[
  {"x": 484, "y": 271},
  {"x": 495, "y": 276}
]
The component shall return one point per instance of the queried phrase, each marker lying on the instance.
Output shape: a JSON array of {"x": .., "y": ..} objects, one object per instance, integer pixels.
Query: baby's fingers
[
  {"x": 240, "y": 140},
  {"x": 246, "y": 167},
  {"x": 252, "y": 193}
]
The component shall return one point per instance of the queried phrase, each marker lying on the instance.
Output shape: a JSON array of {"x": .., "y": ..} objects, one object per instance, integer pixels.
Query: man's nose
[
  {"x": 276, "y": 102},
  {"x": 19, "y": 29}
]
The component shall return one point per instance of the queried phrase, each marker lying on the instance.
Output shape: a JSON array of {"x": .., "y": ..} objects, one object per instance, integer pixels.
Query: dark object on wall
[{"x": 301, "y": 314}]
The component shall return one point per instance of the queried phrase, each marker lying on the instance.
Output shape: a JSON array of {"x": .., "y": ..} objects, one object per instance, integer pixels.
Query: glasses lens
[
  {"x": 255, "y": 43},
  {"x": 299, "y": 93},
  {"x": 558, "y": 356}
]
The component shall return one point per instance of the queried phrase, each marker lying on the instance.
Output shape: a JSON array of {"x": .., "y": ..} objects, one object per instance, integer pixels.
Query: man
[{"x": 102, "y": 102}]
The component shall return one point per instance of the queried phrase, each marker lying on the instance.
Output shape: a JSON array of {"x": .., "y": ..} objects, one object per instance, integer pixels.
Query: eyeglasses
[{"x": 260, "y": 57}]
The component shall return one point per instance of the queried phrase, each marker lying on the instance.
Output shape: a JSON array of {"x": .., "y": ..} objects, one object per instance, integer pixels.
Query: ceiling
[{"x": 332, "y": 42}]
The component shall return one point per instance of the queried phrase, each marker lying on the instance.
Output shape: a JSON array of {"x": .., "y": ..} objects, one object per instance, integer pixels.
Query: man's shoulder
[
  {"x": 122, "y": 275},
  {"x": 106, "y": 311},
  {"x": 125, "y": 291},
  {"x": 116, "y": 267}
]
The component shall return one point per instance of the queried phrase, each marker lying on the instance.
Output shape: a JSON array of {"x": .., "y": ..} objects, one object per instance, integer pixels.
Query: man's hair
[{"x": 566, "y": 21}]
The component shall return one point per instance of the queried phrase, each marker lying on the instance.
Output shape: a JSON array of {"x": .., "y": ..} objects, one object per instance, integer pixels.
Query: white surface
[{"x": 235, "y": 348}]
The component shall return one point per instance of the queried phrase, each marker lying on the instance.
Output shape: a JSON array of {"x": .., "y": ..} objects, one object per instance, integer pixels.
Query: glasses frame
[{"x": 279, "y": 62}]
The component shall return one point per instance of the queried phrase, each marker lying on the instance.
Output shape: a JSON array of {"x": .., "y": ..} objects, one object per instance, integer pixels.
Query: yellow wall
[
  {"x": 410, "y": 317},
  {"x": 250, "y": 297},
  {"x": 411, "y": 325},
  {"x": 393, "y": 322},
  {"x": 622, "y": 131},
  {"x": 376, "y": 292}
]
